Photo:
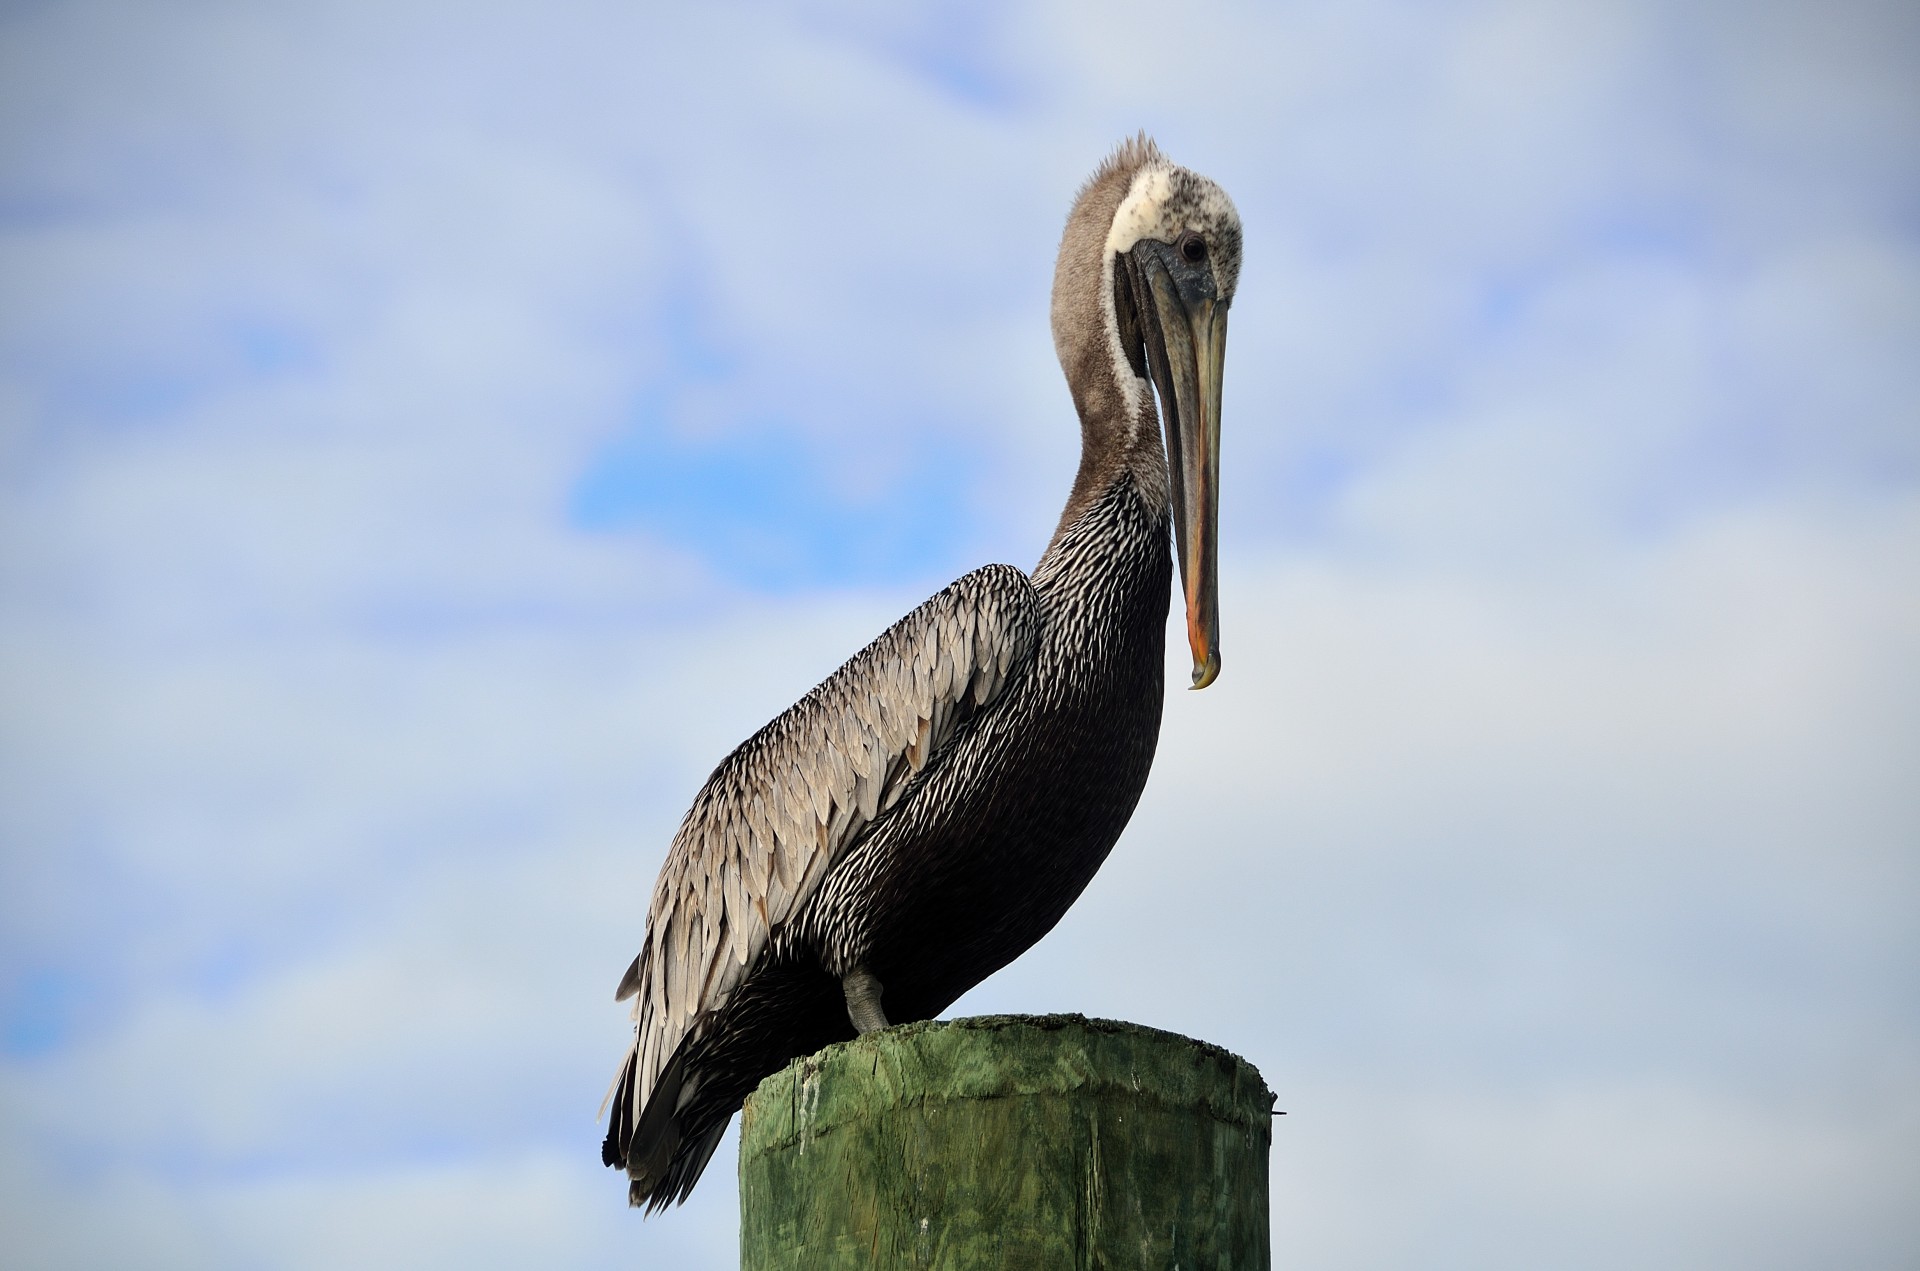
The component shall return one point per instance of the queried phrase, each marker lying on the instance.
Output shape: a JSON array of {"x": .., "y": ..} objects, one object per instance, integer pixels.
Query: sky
[{"x": 431, "y": 435}]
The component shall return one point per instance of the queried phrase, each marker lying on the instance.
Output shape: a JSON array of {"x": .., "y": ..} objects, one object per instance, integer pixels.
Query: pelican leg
[{"x": 863, "y": 1000}]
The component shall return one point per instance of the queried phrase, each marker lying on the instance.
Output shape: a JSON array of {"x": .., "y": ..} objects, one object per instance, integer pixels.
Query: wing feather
[{"x": 778, "y": 812}]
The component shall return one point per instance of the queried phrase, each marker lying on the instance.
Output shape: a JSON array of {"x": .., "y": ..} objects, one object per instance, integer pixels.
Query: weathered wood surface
[{"x": 1008, "y": 1142}]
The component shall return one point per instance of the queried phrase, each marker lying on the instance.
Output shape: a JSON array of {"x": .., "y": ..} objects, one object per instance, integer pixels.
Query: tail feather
[
  {"x": 648, "y": 1142},
  {"x": 613, "y": 1152},
  {"x": 665, "y": 1143},
  {"x": 683, "y": 1173}
]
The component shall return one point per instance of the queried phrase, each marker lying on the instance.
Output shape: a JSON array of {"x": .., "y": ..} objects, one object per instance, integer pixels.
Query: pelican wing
[{"x": 780, "y": 810}]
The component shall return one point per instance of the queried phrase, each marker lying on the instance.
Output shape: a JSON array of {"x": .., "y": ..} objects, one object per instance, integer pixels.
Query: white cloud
[{"x": 505, "y": 1210}]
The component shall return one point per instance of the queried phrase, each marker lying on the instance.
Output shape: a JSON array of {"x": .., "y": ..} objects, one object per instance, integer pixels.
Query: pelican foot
[{"x": 863, "y": 1000}]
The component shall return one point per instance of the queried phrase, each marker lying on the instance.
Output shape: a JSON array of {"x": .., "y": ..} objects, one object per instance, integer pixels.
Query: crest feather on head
[{"x": 1128, "y": 157}]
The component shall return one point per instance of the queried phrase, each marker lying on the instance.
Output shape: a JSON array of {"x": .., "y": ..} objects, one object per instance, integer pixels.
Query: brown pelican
[{"x": 929, "y": 811}]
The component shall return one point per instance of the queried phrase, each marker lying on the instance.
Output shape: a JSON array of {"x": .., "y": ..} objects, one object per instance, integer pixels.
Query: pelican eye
[{"x": 1193, "y": 248}]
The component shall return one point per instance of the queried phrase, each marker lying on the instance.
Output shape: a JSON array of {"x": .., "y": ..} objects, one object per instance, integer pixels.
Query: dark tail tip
[
  {"x": 666, "y": 1147},
  {"x": 613, "y": 1152}
]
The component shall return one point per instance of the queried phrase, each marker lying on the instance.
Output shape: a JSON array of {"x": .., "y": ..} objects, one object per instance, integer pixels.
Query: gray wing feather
[{"x": 777, "y": 813}]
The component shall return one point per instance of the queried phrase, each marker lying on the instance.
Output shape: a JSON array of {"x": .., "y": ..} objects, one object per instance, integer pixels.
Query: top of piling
[{"x": 994, "y": 1056}]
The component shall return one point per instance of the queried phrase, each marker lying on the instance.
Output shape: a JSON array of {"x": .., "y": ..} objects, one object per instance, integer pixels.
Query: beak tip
[{"x": 1205, "y": 673}]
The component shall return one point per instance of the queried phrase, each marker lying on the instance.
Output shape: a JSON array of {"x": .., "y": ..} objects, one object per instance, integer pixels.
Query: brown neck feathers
[{"x": 1093, "y": 323}]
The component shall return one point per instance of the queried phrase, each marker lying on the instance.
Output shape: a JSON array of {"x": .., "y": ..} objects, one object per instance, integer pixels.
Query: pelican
[{"x": 932, "y": 808}]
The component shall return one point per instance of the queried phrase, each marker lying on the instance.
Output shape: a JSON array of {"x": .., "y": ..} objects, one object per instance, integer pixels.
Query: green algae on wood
[{"x": 1008, "y": 1141}]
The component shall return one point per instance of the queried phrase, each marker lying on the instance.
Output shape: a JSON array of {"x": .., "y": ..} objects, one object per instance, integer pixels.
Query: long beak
[{"x": 1189, "y": 366}]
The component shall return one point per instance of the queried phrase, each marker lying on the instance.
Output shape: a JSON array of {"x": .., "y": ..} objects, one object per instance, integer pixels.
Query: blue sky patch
[
  {"x": 39, "y": 1013},
  {"x": 766, "y": 508}
]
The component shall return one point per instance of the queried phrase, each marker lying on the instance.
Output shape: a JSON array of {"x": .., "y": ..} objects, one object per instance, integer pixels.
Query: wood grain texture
[{"x": 1008, "y": 1141}]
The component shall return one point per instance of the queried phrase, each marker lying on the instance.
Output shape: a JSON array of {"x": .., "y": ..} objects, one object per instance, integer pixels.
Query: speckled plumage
[{"x": 933, "y": 807}]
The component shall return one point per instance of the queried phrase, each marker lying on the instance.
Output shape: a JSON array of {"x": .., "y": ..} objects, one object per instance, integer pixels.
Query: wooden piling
[{"x": 1007, "y": 1143}]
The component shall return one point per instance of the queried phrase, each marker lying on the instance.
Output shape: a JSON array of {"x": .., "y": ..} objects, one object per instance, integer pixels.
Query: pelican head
[{"x": 1167, "y": 270}]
